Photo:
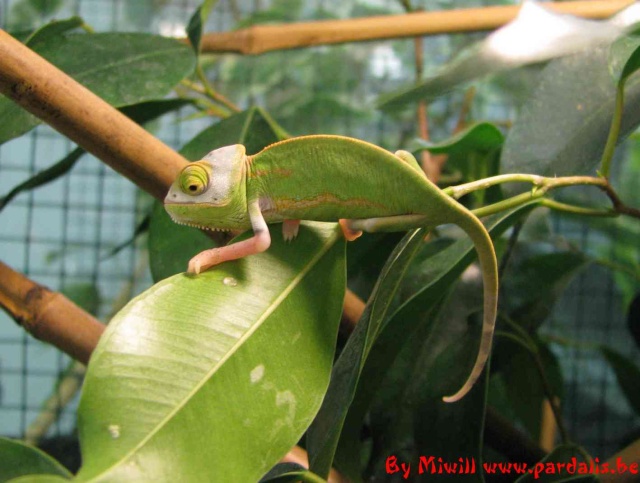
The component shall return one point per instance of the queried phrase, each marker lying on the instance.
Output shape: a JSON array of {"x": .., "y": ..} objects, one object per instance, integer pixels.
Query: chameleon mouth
[{"x": 194, "y": 225}]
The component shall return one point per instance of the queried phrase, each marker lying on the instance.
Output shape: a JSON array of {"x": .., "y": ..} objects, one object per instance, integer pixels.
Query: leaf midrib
[{"x": 269, "y": 310}]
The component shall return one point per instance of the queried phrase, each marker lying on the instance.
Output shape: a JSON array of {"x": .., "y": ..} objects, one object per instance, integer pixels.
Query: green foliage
[
  {"x": 212, "y": 362},
  {"x": 217, "y": 376},
  {"x": 516, "y": 44},
  {"x": 19, "y": 459},
  {"x": 624, "y": 57},
  {"x": 133, "y": 68},
  {"x": 196, "y": 23},
  {"x": 563, "y": 126},
  {"x": 627, "y": 374}
]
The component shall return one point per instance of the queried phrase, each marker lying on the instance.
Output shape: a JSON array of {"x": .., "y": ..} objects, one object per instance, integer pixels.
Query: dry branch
[
  {"x": 83, "y": 117},
  {"x": 49, "y": 316},
  {"x": 264, "y": 38}
]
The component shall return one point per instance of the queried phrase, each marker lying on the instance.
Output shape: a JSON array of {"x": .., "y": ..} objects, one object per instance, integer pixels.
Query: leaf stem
[
  {"x": 614, "y": 132},
  {"x": 541, "y": 185},
  {"x": 206, "y": 103},
  {"x": 211, "y": 92}
]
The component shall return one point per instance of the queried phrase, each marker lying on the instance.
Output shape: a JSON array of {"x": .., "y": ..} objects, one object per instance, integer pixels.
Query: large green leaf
[
  {"x": 19, "y": 459},
  {"x": 122, "y": 68},
  {"x": 563, "y": 127},
  {"x": 171, "y": 246},
  {"x": 518, "y": 43},
  {"x": 215, "y": 377}
]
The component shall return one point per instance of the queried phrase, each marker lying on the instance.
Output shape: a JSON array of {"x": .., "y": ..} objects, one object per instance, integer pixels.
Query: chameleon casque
[{"x": 323, "y": 178}]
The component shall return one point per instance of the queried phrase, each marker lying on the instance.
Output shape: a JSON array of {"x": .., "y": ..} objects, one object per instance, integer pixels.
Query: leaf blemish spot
[
  {"x": 229, "y": 281},
  {"x": 257, "y": 374},
  {"x": 114, "y": 431}
]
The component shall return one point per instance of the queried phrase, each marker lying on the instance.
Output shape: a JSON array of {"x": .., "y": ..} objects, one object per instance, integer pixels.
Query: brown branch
[
  {"x": 351, "y": 311},
  {"x": 629, "y": 455},
  {"x": 264, "y": 38},
  {"x": 49, "y": 316},
  {"x": 83, "y": 117}
]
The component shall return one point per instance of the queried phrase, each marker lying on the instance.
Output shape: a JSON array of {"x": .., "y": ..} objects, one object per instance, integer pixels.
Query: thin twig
[
  {"x": 212, "y": 93},
  {"x": 614, "y": 132},
  {"x": 542, "y": 185}
]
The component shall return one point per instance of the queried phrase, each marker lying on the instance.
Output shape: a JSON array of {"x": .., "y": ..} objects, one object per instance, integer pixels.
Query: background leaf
[
  {"x": 133, "y": 68},
  {"x": 19, "y": 459},
  {"x": 563, "y": 127},
  {"x": 624, "y": 57},
  {"x": 482, "y": 136},
  {"x": 197, "y": 22},
  {"x": 141, "y": 113},
  {"x": 627, "y": 374},
  {"x": 248, "y": 345},
  {"x": 518, "y": 43}
]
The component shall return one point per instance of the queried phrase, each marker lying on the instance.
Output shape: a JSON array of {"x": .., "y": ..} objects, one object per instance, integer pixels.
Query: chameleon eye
[{"x": 194, "y": 180}]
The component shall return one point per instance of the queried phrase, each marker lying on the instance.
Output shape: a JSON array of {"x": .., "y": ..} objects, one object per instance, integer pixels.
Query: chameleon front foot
[{"x": 258, "y": 243}]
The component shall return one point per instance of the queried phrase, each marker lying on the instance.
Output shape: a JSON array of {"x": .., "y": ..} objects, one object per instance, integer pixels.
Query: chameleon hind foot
[
  {"x": 290, "y": 229},
  {"x": 348, "y": 233}
]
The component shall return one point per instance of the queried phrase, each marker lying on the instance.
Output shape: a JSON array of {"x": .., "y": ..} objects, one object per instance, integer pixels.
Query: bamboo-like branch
[
  {"x": 49, "y": 316},
  {"x": 259, "y": 39},
  {"x": 83, "y": 117}
]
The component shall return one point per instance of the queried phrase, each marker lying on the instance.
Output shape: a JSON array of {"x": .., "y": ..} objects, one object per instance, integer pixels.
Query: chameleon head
[{"x": 211, "y": 193}]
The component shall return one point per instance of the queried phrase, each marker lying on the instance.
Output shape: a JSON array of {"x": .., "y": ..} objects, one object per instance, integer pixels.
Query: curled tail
[{"x": 489, "y": 267}]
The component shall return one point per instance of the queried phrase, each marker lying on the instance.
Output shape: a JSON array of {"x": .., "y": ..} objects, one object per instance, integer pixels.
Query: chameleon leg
[
  {"x": 290, "y": 229},
  {"x": 389, "y": 223},
  {"x": 259, "y": 242},
  {"x": 408, "y": 158},
  {"x": 347, "y": 232}
]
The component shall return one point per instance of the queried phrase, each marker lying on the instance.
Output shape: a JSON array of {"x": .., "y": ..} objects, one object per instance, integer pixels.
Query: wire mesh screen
[{"x": 63, "y": 235}]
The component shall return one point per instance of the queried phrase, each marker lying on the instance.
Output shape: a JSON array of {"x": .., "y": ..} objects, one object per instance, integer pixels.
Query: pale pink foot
[
  {"x": 209, "y": 258},
  {"x": 348, "y": 233},
  {"x": 290, "y": 229}
]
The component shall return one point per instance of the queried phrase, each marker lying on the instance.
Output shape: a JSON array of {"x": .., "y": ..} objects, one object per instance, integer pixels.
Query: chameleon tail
[{"x": 489, "y": 267}]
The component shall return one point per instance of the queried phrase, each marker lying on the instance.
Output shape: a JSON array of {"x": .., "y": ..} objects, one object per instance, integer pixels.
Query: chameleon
[{"x": 323, "y": 178}]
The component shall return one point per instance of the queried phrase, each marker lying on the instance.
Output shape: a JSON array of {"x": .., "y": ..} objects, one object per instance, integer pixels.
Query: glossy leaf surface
[{"x": 248, "y": 345}]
